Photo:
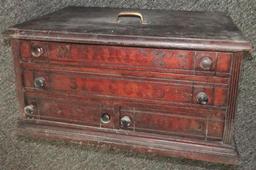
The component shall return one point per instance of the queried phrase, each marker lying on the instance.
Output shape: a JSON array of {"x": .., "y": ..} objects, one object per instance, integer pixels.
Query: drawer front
[
  {"x": 172, "y": 123},
  {"x": 89, "y": 114},
  {"x": 86, "y": 84},
  {"x": 183, "y": 61},
  {"x": 177, "y": 121}
]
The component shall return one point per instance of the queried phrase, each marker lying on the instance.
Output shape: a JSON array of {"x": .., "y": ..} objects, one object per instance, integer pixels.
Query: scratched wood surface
[
  {"x": 159, "y": 95},
  {"x": 106, "y": 74},
  {"x": 166, "y": 28},
  {"x": 86, "y": 71},
  {"x": 155, "y": 59}
]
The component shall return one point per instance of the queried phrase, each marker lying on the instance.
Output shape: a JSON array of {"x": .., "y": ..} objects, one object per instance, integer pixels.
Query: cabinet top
[{"x": 136, "y": 27}]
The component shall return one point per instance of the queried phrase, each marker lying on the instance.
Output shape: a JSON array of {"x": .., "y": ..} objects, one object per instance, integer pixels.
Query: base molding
[{"x": 196, "y": 150}]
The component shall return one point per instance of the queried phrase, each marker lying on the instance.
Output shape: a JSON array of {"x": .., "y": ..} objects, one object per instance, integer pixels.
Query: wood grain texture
[
  {"x": 144, "y": 144},
  {"x": 132, "y": 58},
  {"x": 125, "y": 87},
  {"x": 197, "y": 78},
  {"x": 119, "y": 92},
  {"x": 197, "y": 111},
  {"x": 176, "y": 121},
  {"x": 232, "y": 98},
  {"x": 152, "y": 75},
  {"x": 15, "y": 44}
]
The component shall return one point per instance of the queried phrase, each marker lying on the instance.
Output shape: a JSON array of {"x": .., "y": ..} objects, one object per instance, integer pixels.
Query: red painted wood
[
  {"x": 220, "y": 96},
  {"x": 123, "y": 83},
  {"x": 69, "y": 112},
  {"x": 215, "y": 129},
  {"x": 139, "y": 142},
  {"x": 196, "y": 111},
  {"x": 224, "y": 62},
  {"x": 122, "y": 88},
  {"x": 84, "y": 84},
  {"x": 143, "y": 119},
  {"x": 174, "y": 124},
  {"x": 162, "y": 123},
  {"x": 131, "y": 73},
  {"x": 15, "y": 44},
  {"x": 148, "y": 79},
  {"x": 123, "y": 57}
]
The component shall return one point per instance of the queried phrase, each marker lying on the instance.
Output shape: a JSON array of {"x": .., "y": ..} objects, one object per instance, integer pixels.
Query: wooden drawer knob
[
  {"x": 29, "y": 110},
  {"x": 39, "y": 82},
  {"x": 206, "y": 63},
  {"x": 126, "y": 121},
  {"x": 202, "y": 98},
  {"x": 37, "y": 51},
  {"x": 105, "y": 118}
]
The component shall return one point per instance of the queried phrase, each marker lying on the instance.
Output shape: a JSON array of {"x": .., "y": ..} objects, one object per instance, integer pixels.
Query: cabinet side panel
[
  {"x": 232, "y": 97},
  {"x": 15, "y": 44}
]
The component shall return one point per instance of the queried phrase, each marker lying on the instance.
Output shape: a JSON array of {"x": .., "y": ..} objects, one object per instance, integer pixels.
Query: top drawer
[{"x": 178, "y": 61}]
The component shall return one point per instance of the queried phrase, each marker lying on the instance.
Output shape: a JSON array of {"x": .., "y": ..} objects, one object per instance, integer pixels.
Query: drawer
[
  {"x": 89, "y": 113},
  {"x": 172, "y": 123},
  {"x": 203, "y": 124},
  {"x": 179, "y": 61},
  {"x": 143, "y": 90},
  {"x": 128, "y": 117}
]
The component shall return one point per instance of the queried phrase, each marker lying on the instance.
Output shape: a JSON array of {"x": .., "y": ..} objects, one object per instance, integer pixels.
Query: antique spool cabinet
[{"x": 151, "y": 81}]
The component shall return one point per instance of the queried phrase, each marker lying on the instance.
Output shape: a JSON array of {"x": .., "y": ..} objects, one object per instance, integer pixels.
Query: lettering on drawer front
[
  {"x": 126, "y": 88},
  {"x": 121, "y": 88},
  {"x": 131, "y": 56},
  {"x": 185, "y": 61},
  {"x": 99, "y": 55}
]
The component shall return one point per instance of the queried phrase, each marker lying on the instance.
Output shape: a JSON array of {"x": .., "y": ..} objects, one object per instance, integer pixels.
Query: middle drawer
[{"x": 141, "y": 89}]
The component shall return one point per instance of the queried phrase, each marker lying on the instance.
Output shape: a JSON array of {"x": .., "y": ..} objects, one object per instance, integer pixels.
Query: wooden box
[{"x": 151, "y": 81}]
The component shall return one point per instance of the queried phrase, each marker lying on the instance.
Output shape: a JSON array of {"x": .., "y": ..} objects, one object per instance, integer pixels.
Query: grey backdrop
[{"x": 29, "y": 154}]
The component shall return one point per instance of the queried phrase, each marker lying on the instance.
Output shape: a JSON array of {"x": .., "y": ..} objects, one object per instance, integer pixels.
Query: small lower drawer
[
  {"x": 174, "y": 123},
  {"x": 89, "y": 114}
]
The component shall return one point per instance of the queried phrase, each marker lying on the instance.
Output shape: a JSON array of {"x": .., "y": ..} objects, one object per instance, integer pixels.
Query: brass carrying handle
[{"x": 131, "y": 14}]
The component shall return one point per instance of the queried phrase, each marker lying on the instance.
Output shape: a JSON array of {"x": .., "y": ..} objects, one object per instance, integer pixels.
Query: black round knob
[
  {"x": 126, "y": 121},
  {"x": 29, "y": 110},
  {"x": 105, "y": 118},
  {"x": 206, "y": 63},
  {"x": 37, "y": 51},
  {"x": 202, "y": 98},
  {"x": 39, "y": 82}
]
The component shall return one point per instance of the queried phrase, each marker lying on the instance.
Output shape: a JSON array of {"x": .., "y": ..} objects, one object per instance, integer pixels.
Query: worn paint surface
[{"x": 24, "y": 154}]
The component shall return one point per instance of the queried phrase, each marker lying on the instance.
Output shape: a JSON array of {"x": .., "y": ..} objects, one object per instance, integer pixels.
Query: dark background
[{"x": 17, "y": 153}]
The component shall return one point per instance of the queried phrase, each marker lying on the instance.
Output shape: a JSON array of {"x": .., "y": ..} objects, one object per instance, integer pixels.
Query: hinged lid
[{"x": 153, "y": 28}]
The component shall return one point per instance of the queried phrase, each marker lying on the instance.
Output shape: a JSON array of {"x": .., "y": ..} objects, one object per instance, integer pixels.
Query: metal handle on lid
[{"x": 131, "y": 14}]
